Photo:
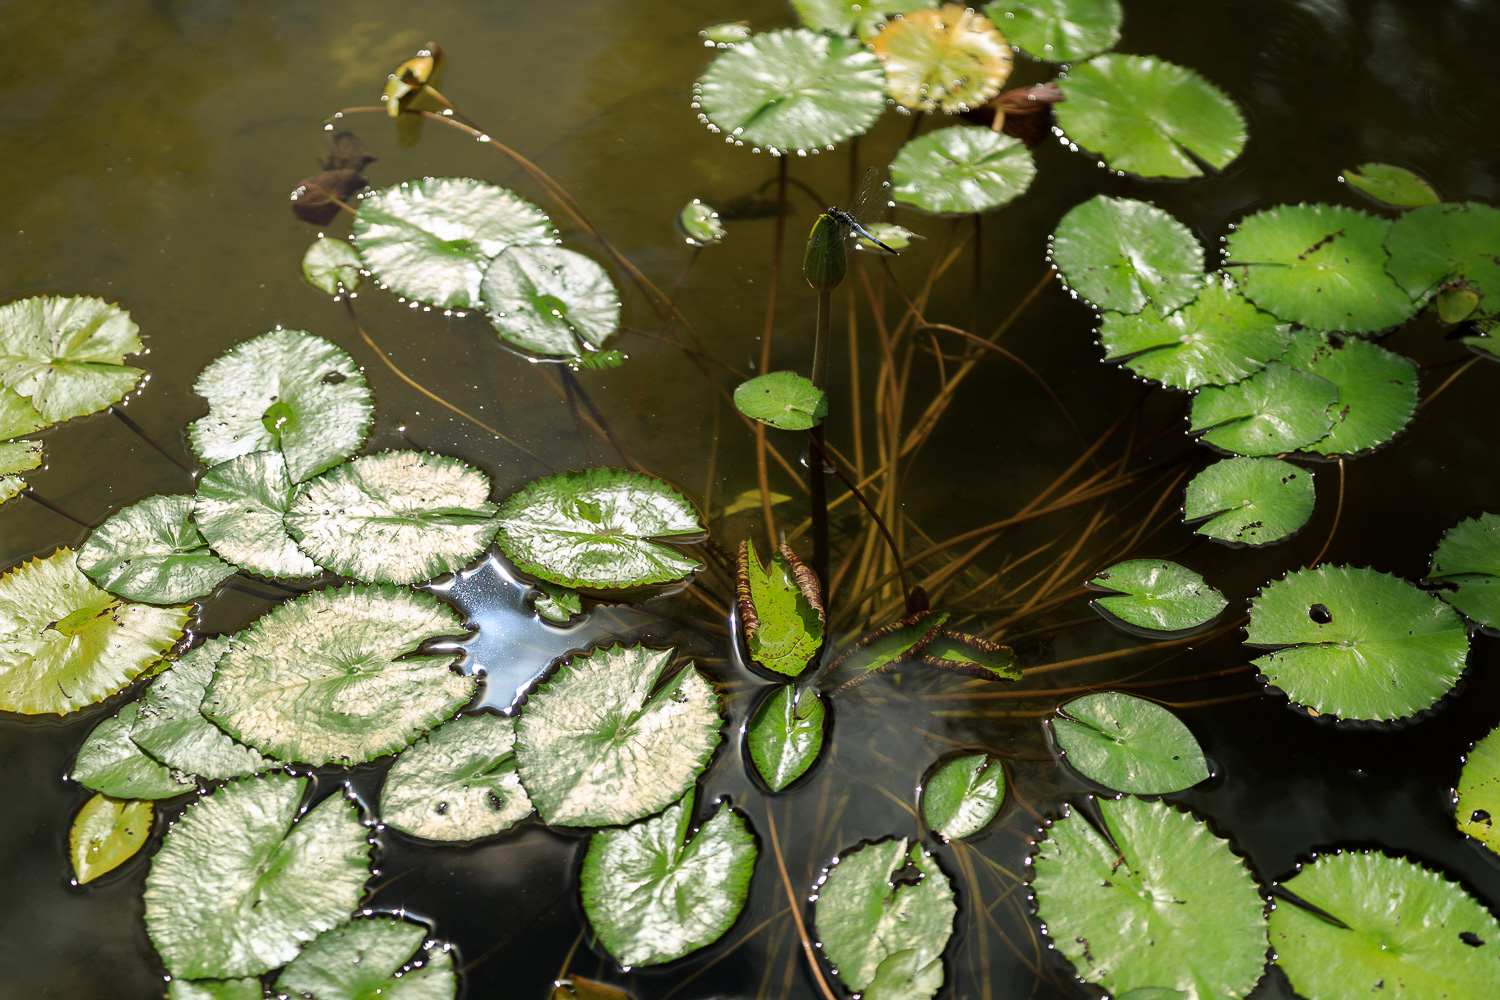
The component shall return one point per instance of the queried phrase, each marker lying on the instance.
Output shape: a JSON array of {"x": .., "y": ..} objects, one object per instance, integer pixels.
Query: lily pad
[
  {"x": 240, "y": 508},
  {"x": 238, "y": 887},
  {"x": 1128, "y": 744},
  {"x": 1448, "y": 243},
  {"x": 1377, "y": 391},
  {"x": 609, "y": 738},
  {"x": 792, "y": 89},
  {"x": 1467, "y": 565},
  {"x": 1157, "y": 595},
  {"x": 558, "y": 605},
  {"x": 152, "y": 552},
  {"x": 971, "y": 655},
  {"x": 332, "y": 266},
  {"x": 864, "y": 18},
  {"x": 780, "y": 610},
  {"x": 170, "y": 727},
  {"x": 110, "y": 762},
  {"x": 550, "y": 300},
  {"x": 1391, "y": 185},
  {"x": 598, "y": 528},
  {"x": 1160, "y": 902},
  {"x": 433, "y": 239},
  {"x": 66, "y": 356},
  {"x": 949, "y": 59},
  {"x": 248, "y": 988},
  {"x": 458, "y": 783},
  {"x": 785, "y": 735},
  {"x": 888, "y": 645},
  {"x": 1123, "y": 255},
  {"x": 961, "y": 169},
  {"x": 1357, "y": 643},
  {"x": 1249, "y": 501},
  {"x": 1277, "y": 409},
  {"x": 1150, "y": 117},
  {"x": 1059, "y": 30},
  {"x": 17, "y": 415},
  {"x": 106, "y": 833},
  {"x": 961, "y": 797},
  {"x": 285, "y": 391},
  {"x": 784, "y": 400},
  {"x": 655, "y": 892},
  {"x": 394, "y": 517},
  {"x": 700, "y": 224},
  {"x": 1402, "y": 932},
  {"x": 1323, "y": 266},
  {"x": 331, "y": 676},
  {"x": 67, "y": 643},
  {"x": 1477, "y": 797},
  {"x": 885, "y": 934},
  {"x": 367, "y": 958},
  {"x": 17, "y": 456}
]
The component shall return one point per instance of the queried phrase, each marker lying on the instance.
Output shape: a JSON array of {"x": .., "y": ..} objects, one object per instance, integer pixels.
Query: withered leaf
[{"x": 313, "y": 199}]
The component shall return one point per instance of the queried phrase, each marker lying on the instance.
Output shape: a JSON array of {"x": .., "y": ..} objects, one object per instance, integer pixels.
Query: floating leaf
[
  {"x": 597, "y": 528},
  {"x": 888, "y": 645},
  {"x": 1059, "y": 30},
  {"x": 152, "y": 552},
  {"x": 330, "y": 676},
  {"x": 1219, "y": 337},
  {"x": 1147, "y": 116},
  {"x": 17, "y": 456},
  {"x": 1157, "y": 595},
  {"x": 784, "y": 400},
  {"x": 248, "y": 988},
  {"x": 1453, "y": 243},
  {"x": 170, "y": 728},
  {"x": 284, "y": 391},
  {"x": 1359, "y": 644},
  {"x": 1277, "y": 409},
  {"x": 886, "y": 941},
  {"x": 550, "y": 300},
  {"x": 105, "y": 834},
  {"x": 1477, "y": 797},
  {"x": 407, "y": 83},
  {"x": 854, "y": 17},
  {"x": 110, "y": 762},
  {"x": 785, "y": 735},
  {"x": 792, "y": 89},
  {"x": 1250, "y": 501},
  {"x": 1128, "y": 744},
  {"x": 458, "y": 783},
  {"x": 1466, "y": 563},
  {"x": 1123, "y": 254},
  {"x": 700, "y": 223},
  {"x": 971, "y": 655},
  {"x": 17, "y": 415},
  {"x": 961, "y": 168},
  {"x": 332, "y": 266},
  {"x": 608, "y": 738},
  {"x": 1391, "y": 184},
  {"x": 653, "y": 893},
  {"x": 949, "y": 59},
  {"x": 316, "y": 200},
  {"x": 67, "y": 644},
  {"x": 1323, "y": 266},
  {"x": 432, "y": 239},
  {"x": 961, "y": 797},
  {"x": 241, "y": 509},
  {"x": 780, "y": 610},
  {"x": 1377, "y": 391},
  {"x": 236, "y": 887},
  {"x": 394, "y": 517},
  {"x": 1161, "y": 902},
  {"x": 574, "y": 986},
  {"x": 66, "y": 356},
  {"x": 1398, "y": 930},
  {"x": 557, "y": 604},
  {"x": 368, "y": 958}
]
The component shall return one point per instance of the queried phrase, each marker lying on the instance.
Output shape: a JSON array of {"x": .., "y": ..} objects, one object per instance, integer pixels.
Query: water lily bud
[{"x": 827, "y": 259}]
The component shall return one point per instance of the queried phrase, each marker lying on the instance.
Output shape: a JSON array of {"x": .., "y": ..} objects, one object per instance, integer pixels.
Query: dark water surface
[{"x": 148, "y": 151}]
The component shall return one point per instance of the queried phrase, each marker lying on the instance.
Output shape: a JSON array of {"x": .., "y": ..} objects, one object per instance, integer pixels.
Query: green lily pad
[
  {"x": 433, "y": 239},
  {"x": 1128, "y": 744},
  {"x": 331, "y": 676},
  {"x": 1123, "y": 255},
  {"x": 1162, "y": 902},
  {"x": 238, "y": 887},
  {"x": 1448, "y": 243},
  {"x": 370, "y": 958},
  {"x": 394, "y": 517},
  {"x": 971, "y": 655},
  {"x": 854, "y": 17},
  {"x": 457, "y": 783},
  {"x": 285, "y": 391},
  {"x": 170, "y": 727},
  {"x": 558, "y": 605},
  {"x": 608, "y": 738},
  {"x": 1150, "y": 117},
  {"x": 550, "y": 300},
  {"x": 700, "y": 223},
  {"x": 151, "y": 552},
  {"x": 66, "y": 356},
  {"x": 780, "y": 609},
  {"x": 332, "y": 266},
  {"x": 1390, "y": 185},
  {"x": 784, "y": 400},
  {"x": 17, "y": 456},
  {"x": 1406, "y": 932},
  {"x": 1277, "y": 409},
  {"x": 791, "y": 89},
  {"x": 1249, "y": 501},
  {"x": 888, "y": 645},
  {"x": 248, "y": 988},
  {"x": 1358, "y": 644},
  {"x": 67, "y": 644},
  {"x": 654, "y": 892},
  {"x": 885, "y": 936},
  {"x": 785, "y": 735},
  {"x": 1059, "y": 30},
  {"x": 1323, "y": 266},
  {"x": 1217, "y": 338},
  {"x": 597, "y": 528},
  {"x": 961, "y": 169},
  {"x": 1157, "y": 595},
  {"x": 240, "y": 508},
  {"x": 106, "y": 833},
  {"x": 110, "y": 762},
  {"x": 1377, "y": 391},
  {"x": 950, "y": 59},
  {"x": 1467, "y": 561},
  {"x": 1477, "y": 797},
  {"x": 961, "y": 797},
  {"x": 17, "y": 415}
]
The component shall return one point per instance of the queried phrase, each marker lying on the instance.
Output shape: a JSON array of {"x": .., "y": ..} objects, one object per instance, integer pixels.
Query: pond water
[{"x": 150, "y": 150}]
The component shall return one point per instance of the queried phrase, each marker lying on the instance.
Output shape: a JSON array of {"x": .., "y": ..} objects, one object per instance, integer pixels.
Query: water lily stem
[
  {"x": 817, "y": 458},
  {"x": 55, "y": 508},
  {"x": 141, "y": 433},
  {"x": 796, "y": 904},
  {"x": 1338, "y": 512}
]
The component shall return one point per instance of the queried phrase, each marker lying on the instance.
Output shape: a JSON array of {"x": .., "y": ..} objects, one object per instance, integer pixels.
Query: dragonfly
[{"x": 867, "y": 198}]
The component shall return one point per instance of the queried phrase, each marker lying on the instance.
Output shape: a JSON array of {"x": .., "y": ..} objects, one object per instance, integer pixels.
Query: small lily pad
[
  {"x": 110, "y": 762},
  {"x": 368, "y": 958},
  {"x": 1466, "y": 563},
  {"x": 170, "y": 727},
  {"x": 1059, "y": 30},
  {"x": 550, "y": 300},
  {"x": 332, "y": 266},
  {"x": 700, "y": 223},
  {"x": 17, "y": 415},
  {"x": 949, "y": 59},
  {"x": 864, "y": 18},
  {"x": 1277, "y": 409},
  {"x": 106, "y": 833},
  {"x": 1377, "y": 391},
  {"x": 785, "y": 735},
  {"x": 152, "y": 552},
  {"x": 961, "y": 169},
  {"x": 1448, "y": 243},
  {"x": 559, "y": 605},
  {"x": 1391, "y": 185},
  {"x": 1128, "y": 744},
  {"x": 240, "y": 508},
  {"x": 962, "y": 795},
  {"x": 66, "y": 356},
  {"x": 1249, "y": 501},
  {"x": 1157, "y": 595},
  {"x": 1123, "y": 255},
  {"x": 784, "y": 400},
  {"x": 888, "y": 645},
  {"x": 971, "y": 655},
  {"x": 17, "y": 456},
  {"x": 458, "y": 783},
  {"x": 1477, "y": 797},
  {"x": 780, "y": 608}
]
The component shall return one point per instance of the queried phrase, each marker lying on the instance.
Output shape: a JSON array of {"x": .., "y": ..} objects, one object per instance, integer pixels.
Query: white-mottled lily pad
[
  {"x": 370, "y": 958},
  {"x": 17, "y": 456},
  {"x": 551, "y": 300},
  {"x": 241, "y": 510},
  {"x": 170, "y": 727},
  {"x": 66, "y": 356},
  {"x": 110, "y": 762},
  {"x": 331, "y": 266},
  {"x": 152, "y": 552},
  {"x": 457, "y": 783},
  {"x": 247, "y": 988}
]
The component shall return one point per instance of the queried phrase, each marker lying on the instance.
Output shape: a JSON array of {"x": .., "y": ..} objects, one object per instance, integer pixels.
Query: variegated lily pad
[
  {"x": 17, "y": 456},
  {"x": 241, "y": 510},
  {"x": 66, "y": 356},
  {"x": 170, "y": 727},
  {"x": 152, "y": 552},
  {"x": 457, "y": 783},
  {"x": 368, "y": 958}
]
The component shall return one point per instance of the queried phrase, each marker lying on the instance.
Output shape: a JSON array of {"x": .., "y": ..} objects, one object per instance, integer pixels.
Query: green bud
[{"x": 827, "y": 259}]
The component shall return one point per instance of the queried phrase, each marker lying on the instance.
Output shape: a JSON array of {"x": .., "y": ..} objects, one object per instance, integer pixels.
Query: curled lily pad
[
  {"x": 110, "y": 762},
  {"x": 152, "y": 552},
  {"x": 780, "y": 608},
  {"x": 700, "y": 223},
  {"x": 1249, "y": 501},
  {"x": 170, "y": 727},
  {"x": 962, "y": 795},
  {"x": 1128, "y": 744},
  {"x": 854, "y": 17},
  {"x": 792, "y": 89},
  {"x": 1390, "y": 184},
  {"x": 332, "y": 266},
  {"x": 433, "y": 239},
  {"x": 785, "y": 735},
  {"x": 106, "y": 833},
  {"x": 962, "y": 168},
  {"x": 1466, "y": 564},
  {"x": 1150, "y": 117},
  {"x": 367, "y": 958},
  {"x": 948, "y": 59},
  {"x": 551, "y": 300},
  {"x": 66, "y": 356},
  {"x": 1121, "y": 254},
  {"x": 458, "y": 783},
  {"x": 888, "y": 645},
  {"x": 784, "y": 400},
  {"x": 1453, "y": 243},
  {"x": 970, "y": 655},
  {"x": 1277, "y": 409},
  {"x": 1059, "y": 30},
  {"x": 285, "y": 391},
  {"x": 1157, "y": 595},
  {"x": 1476, "y": 804},
  {"x": 241, "y": 510},
  {"x": 17, "y": 456},
  {"x": 1377, "y": 391}
]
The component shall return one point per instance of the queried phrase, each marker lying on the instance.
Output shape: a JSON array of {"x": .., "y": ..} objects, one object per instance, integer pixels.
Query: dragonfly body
[{"x": 849, "y": 224}]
